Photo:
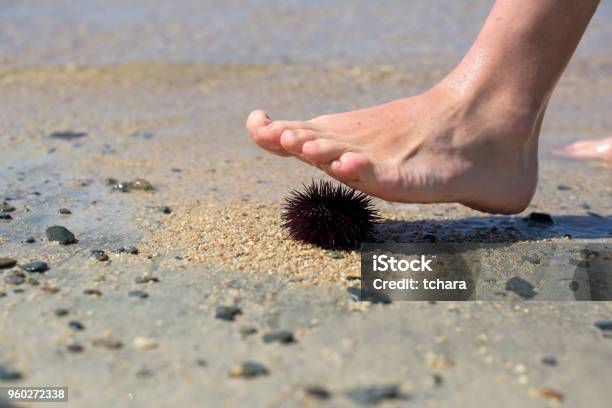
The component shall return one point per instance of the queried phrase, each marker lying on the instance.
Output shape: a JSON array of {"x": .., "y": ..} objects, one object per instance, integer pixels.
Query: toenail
[{"x": 289, "y": 133}]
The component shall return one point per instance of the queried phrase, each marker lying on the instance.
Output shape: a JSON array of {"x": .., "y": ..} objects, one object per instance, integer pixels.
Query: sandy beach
[{"x": 96, "y": 94}]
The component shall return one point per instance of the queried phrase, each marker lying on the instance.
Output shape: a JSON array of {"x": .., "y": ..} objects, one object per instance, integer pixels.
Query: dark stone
[
  {"x": 4, "y": 216},
  {"x": 317, "y": 391},
  {"x": 67, "y": 135},
  {"x": 227, "y": 313},
  {"x": 64, "y": 211},
  {"x": 99, "y": 255},
  {"x": 2, "y": 294},
  {"x": 6, "y": 207},
  {"x": 540, "y": 218},
  {"x": 145, "y": 279},
  {"x": 30, "y": 240},
  {"x": 165, "y": 209},
  {"x": 201, "y": 363},
  {"x": 521, "y": 287},
  {"x": 585, "y": 206},
  {"x": 280, "y": 336},
  {"x": 16, "y": 278},
  {"x": 60, "y": 234},
  {"x": 76, "y": 325},
  {"x": 74, "y": 348},
  {"x": 549, "y": 360},
  {"x": 8, "y": 374},
  {"x": 249, "y": 369},
  {"x": 141, "y": 294},
  {"x": 61, "y": 312},
  {"x": 7, "y": 263},
  {"x": 563, "y": 187},
  {"x": 35, "y": 266},
  {"x": 604, "y": 325},
  {"x": 373, "y": 395}
]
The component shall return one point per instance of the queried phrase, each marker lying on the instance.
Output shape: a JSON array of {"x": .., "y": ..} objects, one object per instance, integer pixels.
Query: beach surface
[{"x": 97, "y": 94}]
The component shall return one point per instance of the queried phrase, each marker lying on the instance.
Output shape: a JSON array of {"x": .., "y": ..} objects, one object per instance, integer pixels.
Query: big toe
[{"x": 257, "y": 121}]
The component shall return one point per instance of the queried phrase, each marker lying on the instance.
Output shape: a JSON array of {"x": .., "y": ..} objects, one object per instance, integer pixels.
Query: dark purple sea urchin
[{"x": 329, "y": 216}]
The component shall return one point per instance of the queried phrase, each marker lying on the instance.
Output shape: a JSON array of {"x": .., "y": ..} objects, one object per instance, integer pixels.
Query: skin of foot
[
  {"x": 437, "y": 147},
  {"x": 471, "y": 139},
  {"x": 598, "y": 149}
]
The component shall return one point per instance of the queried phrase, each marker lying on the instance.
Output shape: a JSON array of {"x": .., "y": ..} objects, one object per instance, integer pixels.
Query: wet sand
[{"x": 179, "y": 125}]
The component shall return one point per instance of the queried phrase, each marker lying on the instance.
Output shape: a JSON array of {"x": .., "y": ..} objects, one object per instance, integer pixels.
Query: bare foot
[
  {"x": 599, "y": 149},
  {"x": 437, "y": 147}
]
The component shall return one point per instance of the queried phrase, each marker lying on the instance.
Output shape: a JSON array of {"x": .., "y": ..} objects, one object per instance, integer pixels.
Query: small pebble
[
  {"x": 30, "y": 240},
  {"x": 60, "y": 234},
  {"x": 145, "y": 343},
  {"x": 249, "y": 369},
  {"x": 540, "y": 218},
  {"x": 552, "y": 394},
  {"x": 76, "y": 325},
  {"x": 67, "y": 135},
  {"x": 99, "y": 255},
  {"x": 604, "y": 325},
  {"x": 6, "y": 263},
  {"x": 6, "y": 207},
  {"x": 127, "y": 250},
  {"x": 227, "y": 313},
  {"x": 7, "y": 374},
  {"x": 5, "y": 216},
  {"x": 64, "y": 211},
  {"x": 32, "y": 281},
  {"x": 247, "y": 330},
  {"x": 92, "y": 292},
  {"x": 165, "y": 209},
  {"x": 107, "y": 342},
  {"x": 585, "y": 206},
  {"x": 335, "y": 254},
  {"x": 145, "y": 279},
  {"x": 521, "y": 287},
  {"x": 74, "y": 348},
  {"x": 61, "y": 312},
  {"x": 563, "y": 187},
  {"x": 16, "y": 278},
  {"x": 373, "y": 395},
  {"x": 35, "y": 266},
  {"x": 141, "y": 294},
  {"x": 280, "y": 336},
  {"x": 549, "y": 360},
  {"x": 317, "y": 391}
]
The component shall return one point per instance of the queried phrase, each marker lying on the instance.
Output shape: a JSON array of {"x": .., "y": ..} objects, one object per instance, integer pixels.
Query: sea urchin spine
[{"x": 329, "y": 216}]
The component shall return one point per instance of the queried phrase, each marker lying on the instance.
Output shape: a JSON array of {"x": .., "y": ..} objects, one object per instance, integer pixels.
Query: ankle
[{"x": 516, "y": 113}]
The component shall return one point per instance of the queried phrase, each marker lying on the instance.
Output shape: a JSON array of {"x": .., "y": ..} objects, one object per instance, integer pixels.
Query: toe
[
  {"x": 256, "y": 120},
  {"x": 323, "y": 151},
  {"x": 351, "y": 167},
  {"x": 293, "y": 140},
  {"x": 271, "y": 133}
]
